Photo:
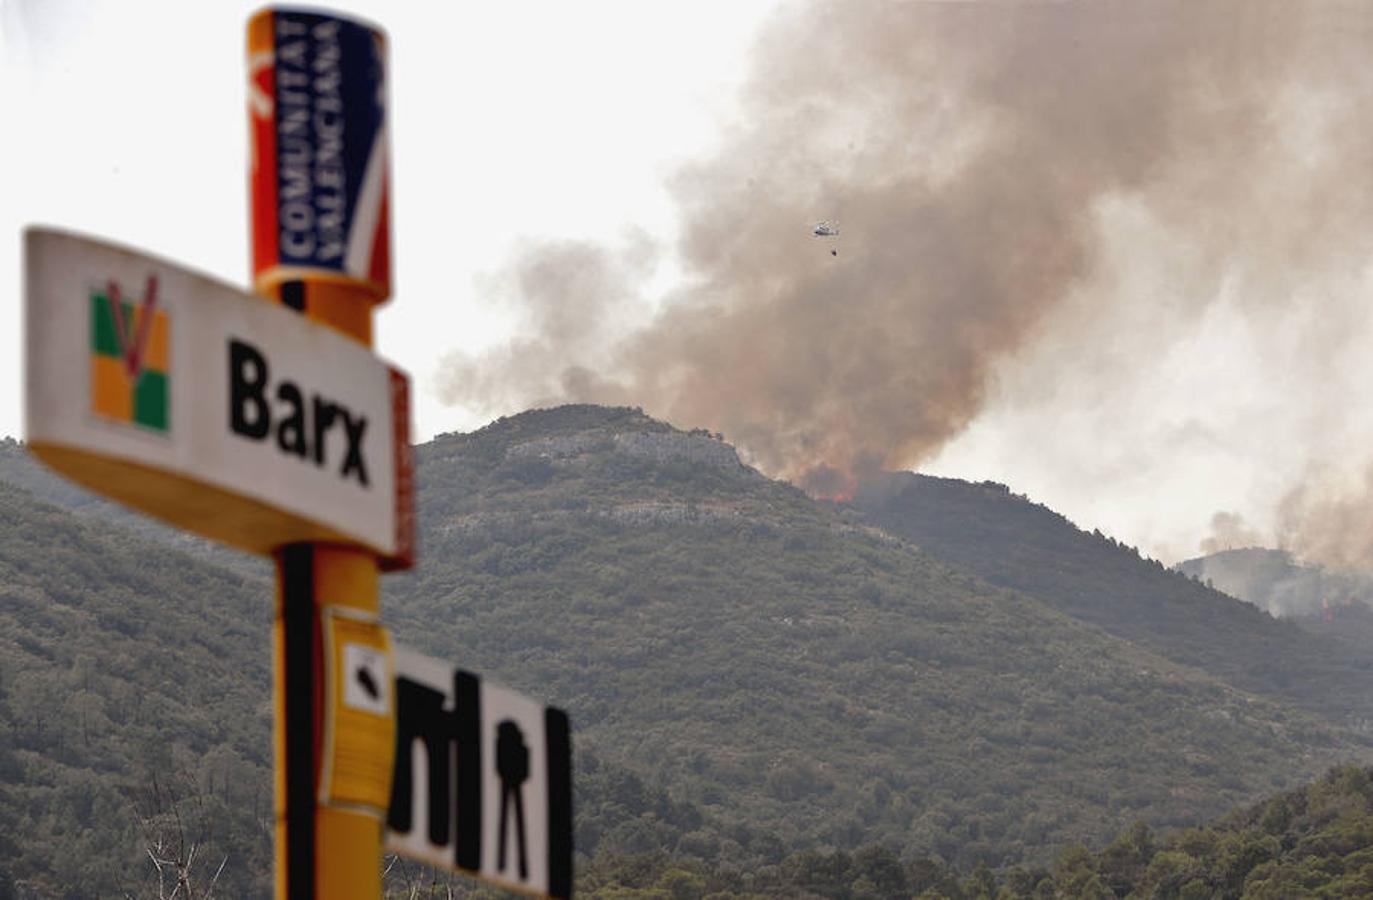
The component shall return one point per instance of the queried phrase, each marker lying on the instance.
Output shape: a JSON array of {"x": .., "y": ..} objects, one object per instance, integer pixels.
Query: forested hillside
[
  {"x": 133, "y": 692},
  {"x": 1011, "y": 541},
  {"x": 794, "y": 674},
  {"x": 757, "y": 682},
  {"x": 19, "y": 468},
  {"x": 135, "y": 715},
  {"x": 1313, "y": 842}
]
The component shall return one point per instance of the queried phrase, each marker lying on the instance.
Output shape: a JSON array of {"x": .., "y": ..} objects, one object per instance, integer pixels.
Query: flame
[{"x": 826, "y": 482}]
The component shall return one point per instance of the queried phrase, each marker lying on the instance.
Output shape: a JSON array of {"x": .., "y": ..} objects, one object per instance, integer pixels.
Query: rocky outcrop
[
  {"x": 660, "y": 447},
  {"x": 694, "y": 448},
  {"x": 559, "y": 447}
]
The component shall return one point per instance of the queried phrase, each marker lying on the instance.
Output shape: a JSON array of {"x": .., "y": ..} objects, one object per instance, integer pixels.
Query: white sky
[
  {"x": 522, "y": 120},
  {"x": 511, "y": 120}
]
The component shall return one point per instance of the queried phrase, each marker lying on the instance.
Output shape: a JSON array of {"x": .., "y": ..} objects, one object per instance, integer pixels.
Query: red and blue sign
[{"x": 321, "y": 172}]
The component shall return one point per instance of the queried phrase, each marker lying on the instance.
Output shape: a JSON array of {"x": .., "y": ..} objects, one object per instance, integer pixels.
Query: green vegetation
[
  {"x": 1333, "y": 604},
  {"x": 1314, "y": 842},
  {"x": 1012, "y": 542},
  {"x": 133, "y": 689},
  {"x": 769, "y": 695},
  {"x": 790, "y": 674}
]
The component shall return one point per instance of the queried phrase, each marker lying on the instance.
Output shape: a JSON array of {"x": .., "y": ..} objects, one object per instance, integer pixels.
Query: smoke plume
[
  {"x": 1329, "y": 522},
  {"x": 1280, "y": 585},
  {"x": 1229, "y": 532},
  {"x": 972, "y": 155}
]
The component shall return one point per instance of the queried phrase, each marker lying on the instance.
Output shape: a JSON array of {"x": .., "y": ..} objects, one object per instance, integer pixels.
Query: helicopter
[{"x": 826, "y": 228}]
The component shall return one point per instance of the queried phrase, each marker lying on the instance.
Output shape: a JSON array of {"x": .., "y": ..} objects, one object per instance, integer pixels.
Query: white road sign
[
  {"x": 483, "y": 780},
  {"x": 218, "y": 411}
]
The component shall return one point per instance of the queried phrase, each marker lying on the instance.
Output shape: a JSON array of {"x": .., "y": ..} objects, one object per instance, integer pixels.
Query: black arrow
[{"x": 368, "y": 684}]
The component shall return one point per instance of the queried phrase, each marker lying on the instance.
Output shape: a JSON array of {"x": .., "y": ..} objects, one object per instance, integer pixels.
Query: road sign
[
  {"x": 483, "y": 780},
  {"x": 202, "y": 405},
  {"x": 320, "y": 173},
  {"x": 359, "y": 719}
]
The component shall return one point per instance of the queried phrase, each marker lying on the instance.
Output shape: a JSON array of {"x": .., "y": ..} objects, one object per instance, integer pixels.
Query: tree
[
  {"x": 402, "y": 879},
  {"x": 172, "y": 840}
]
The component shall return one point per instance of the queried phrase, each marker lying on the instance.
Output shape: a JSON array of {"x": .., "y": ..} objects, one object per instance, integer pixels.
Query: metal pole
[{"x": 320, "y": 190}]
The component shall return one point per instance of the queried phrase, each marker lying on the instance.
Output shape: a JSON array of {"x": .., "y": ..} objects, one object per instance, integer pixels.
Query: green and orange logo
[{"x": 130, "y": 357}]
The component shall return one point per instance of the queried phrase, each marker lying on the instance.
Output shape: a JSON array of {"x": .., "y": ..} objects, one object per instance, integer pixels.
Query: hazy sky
[
  {"x": 512, "y": 121},
  {"x": 1115, "y": 255}
]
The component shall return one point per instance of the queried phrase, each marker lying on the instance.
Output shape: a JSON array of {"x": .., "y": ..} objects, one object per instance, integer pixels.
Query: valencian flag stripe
[
  {"x": 321, "y": 180},
  {"x": 130, "y": 358}
]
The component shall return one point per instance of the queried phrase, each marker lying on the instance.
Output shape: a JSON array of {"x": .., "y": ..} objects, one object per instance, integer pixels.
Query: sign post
[
  {"x": 320, "y": 186},
  {"x": 265, "y": 421},
  {"x": 198, "y": 403},
  {"x": 251, "y": 424}
]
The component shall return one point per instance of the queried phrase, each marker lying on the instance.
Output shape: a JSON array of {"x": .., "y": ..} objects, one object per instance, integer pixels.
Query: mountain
[
  {"x": 750, "y": 674},
  {"x": 134, "y": 709},
  {"x": 1338, "y": 606},
  {"x": 19, "y": 468},
  {"x": 1012, "y": 542},
  {"x": 1272, "y": 580},
  {"x": 795, "y": 671}
]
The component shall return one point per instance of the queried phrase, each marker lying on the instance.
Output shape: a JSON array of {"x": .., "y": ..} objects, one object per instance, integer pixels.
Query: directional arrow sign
[
  {"x": 359, "y": 721},
  {"x": 482, "y": 780},
  {"x": 205, "y": 406}
]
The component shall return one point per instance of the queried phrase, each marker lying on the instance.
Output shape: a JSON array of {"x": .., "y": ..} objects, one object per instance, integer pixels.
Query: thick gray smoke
[
  {"x": 967, "y": 151},
  {"x": 1329, "y": 522},
  {"x": 1229, "y": 532},
  {"x": 1280, "y": 585}
]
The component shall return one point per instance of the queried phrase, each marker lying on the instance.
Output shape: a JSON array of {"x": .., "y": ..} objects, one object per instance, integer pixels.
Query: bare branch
[{"x": 209, "y": 891}]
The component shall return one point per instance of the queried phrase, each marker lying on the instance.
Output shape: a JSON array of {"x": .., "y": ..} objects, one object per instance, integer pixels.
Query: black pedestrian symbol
[
  {"x": 512, "y": 764},
  {"x": 369, "y": 684}
]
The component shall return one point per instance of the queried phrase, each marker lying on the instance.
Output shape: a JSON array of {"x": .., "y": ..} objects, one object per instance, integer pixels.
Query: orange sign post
[{"x": 320, "y": 186}]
